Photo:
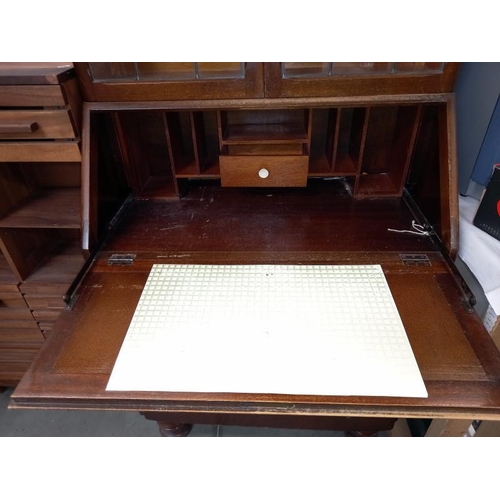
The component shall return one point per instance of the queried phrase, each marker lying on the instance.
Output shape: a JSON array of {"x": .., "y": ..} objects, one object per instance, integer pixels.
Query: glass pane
[
  {"x": 113, "y": 71},
  {"x": 418, "y": 67},
  {"x": 221, "y": 69},
  {"x": 166, "y": 70},
  {"x": 301, "y": 69},
  {"x": 361, "y": 68}
]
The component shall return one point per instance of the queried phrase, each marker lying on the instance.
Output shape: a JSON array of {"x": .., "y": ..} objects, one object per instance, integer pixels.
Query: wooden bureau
[{"x": 269, "y": 163}]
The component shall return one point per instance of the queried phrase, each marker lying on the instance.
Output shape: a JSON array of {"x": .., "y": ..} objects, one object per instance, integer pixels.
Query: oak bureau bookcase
[{"x": 269, "y": 163}]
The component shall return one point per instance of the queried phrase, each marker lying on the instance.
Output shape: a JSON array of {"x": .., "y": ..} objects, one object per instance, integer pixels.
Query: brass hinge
[
  {"x": 121, "y": 259},
  {"x": 415, "y": 259}
]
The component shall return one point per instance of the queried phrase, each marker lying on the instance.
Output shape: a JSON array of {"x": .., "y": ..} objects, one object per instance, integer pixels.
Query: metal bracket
[
  {"x": 415, "y": 259},
  {"x": 71, "y": 302},
  {"x": 121, "y": 259}
]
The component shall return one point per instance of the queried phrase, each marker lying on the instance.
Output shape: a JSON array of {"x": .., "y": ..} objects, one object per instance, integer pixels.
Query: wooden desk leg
[
  {"x": 167, "y": 428},
  {"x": 360, "y": 434}
]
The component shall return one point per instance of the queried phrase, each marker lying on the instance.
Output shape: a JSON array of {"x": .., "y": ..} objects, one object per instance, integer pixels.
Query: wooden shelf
[
  {"x": 345, "y": 165},
  {"x": 158, "y": 187},
  {"x": 379, "y": 185},
  {"x": 319, "y": 167},
  {"x": 186, "y": 169},
  {"x": 52, "y": 208},
  {"x": 56, "y": 273},
  {"x": 265, "y": 134},
  {"x": 211, "y": 170}
]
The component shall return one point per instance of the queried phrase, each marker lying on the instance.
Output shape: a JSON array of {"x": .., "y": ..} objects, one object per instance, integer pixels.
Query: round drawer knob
[{"x": 263, "y": 173}]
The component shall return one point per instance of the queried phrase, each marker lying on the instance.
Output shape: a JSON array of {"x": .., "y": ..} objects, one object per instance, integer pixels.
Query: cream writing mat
[{"x": 277, "y": 329}]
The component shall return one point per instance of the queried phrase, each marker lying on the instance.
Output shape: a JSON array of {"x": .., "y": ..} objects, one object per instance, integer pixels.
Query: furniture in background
[{"x": 40, "y": 217}]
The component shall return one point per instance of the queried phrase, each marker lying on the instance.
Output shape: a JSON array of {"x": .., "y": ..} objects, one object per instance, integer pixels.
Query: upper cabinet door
[
  {"x": 162, "y": 81},
  {"x": 344, "y": 79}
]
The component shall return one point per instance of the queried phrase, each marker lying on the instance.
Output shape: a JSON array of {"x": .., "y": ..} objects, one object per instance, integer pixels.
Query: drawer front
[
  {"x": 12, "y": 372},
  {"x": 18, "y": 323},
  {"x": 33, "y": 287},
  {"x": 263, "y": 171},
  {"x": 18, "y": 335},
  {"x": 45, "y": 301},
  {"x": 31, "y": 95},
  {"x": 12, "y": 300},
  {"x": 39, "y": 151},
  {"x": 8, "y": 314},
  {"x": 19, "y": 352},
  {"x": 50, "y": 315},
  {"x": 36, "y": 125}
]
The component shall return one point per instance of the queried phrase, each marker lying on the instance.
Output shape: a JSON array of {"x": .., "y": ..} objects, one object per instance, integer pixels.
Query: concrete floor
[{"x": 55, "y": 423}]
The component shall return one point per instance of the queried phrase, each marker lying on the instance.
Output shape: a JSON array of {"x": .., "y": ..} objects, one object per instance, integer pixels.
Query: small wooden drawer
[
  {"x": 45, "y": 301},
  {"x": 11, "y": 373},
  {"x": 19, "y": 353},
  {"x": 36, "y": 124},
  {"x": 31, "y": 95},
  {"x": 50, "y": 315},
  {"x": 18, "y": 324},
  {"x": 44, "y": 288},
  {"x": 12, "y": 300},
  {"x": 39, "y": 151},
  {"x": 263, "y": 171},
  {"x": 8, "y": 314},
  {"x": 31, "y": 334}
]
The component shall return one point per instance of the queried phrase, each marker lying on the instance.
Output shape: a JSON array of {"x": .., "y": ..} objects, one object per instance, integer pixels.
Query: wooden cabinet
[{"x": 40, "y": 217}]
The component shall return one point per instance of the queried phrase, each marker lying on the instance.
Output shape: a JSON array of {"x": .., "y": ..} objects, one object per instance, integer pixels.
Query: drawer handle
[
  {"x": 18, "y": 127},
  {"x": 263, "y": 173}
]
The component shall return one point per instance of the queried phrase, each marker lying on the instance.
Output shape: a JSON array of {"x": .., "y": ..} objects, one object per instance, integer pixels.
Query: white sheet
[
  {"x": 480, "y": 251},
  {"x": 312, "y": 329}
]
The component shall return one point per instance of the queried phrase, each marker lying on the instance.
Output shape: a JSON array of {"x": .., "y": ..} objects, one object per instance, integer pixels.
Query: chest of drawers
[{"x": 40, "y": 159}]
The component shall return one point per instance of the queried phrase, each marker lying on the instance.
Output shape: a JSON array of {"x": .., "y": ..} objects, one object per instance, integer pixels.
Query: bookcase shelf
[
  {"x": 268, "y": 133},
  {"x": 56, "y": 272},
  {"x": 50, "y": 208}
]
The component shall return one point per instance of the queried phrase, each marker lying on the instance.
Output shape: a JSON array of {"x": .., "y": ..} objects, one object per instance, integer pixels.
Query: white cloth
[{"x": 480, "y": 251}]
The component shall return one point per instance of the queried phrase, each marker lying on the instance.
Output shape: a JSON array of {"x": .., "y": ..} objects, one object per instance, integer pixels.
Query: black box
[{"x": 488, "y": 213}]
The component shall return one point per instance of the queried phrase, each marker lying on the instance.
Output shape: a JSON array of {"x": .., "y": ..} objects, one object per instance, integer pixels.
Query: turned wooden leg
[
  {"x": 168, "y": 429},
  {"x": 360, "y": 434}
]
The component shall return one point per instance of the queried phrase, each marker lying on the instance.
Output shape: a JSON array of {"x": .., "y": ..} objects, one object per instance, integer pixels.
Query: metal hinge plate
[
  {"x": 121, "y": 259},
  {"x": 415, "y": 259}
]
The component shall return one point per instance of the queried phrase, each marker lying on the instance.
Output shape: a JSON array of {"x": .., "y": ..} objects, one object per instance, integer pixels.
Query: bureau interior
[{"x": 374, "y": 152}]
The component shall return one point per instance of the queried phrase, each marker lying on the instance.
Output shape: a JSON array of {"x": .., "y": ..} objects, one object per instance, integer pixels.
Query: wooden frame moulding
[
  {"x": 252, "y": 85},
  {"x": 358, "y": 85}
]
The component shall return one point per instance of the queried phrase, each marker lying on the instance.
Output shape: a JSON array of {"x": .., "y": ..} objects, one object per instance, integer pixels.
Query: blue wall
[
  {"x": 489, "y": 153},
  {"x": 477, "y": 90}
]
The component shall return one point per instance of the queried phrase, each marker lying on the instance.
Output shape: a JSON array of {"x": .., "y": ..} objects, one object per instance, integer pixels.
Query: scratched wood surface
[{"x": 458, "y": 360}]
